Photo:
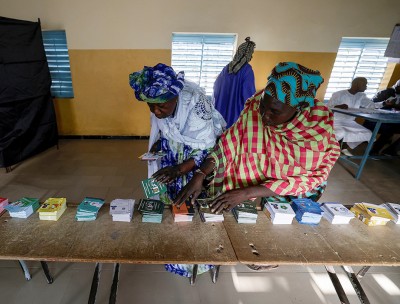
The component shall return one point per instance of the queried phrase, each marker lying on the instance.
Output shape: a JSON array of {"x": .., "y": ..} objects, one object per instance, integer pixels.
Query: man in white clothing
[{"x": 345, "y": 126}]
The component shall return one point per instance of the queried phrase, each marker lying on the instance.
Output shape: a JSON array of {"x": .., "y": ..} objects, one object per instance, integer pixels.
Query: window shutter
[
  {"x": 202, "y": 56},
  {"x": 358, "y": 57},
  {"x": 55, "y": 46}
]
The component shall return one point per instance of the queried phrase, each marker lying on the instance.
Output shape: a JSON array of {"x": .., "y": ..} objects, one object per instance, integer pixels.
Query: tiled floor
[{"x": 111, "y": 169}]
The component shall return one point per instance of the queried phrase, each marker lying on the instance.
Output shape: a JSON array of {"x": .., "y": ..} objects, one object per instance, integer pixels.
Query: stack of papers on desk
[
  {"x": 307, "y": 211},
  {"x": 371, "y": 215},
  {"x": 246, "y": 212},
  {"x": 205, "y": 212},
  {"x": 52, "y": 208},
  {"x": 3, "y": 203},
  {"x": 121, "y": 210},
  {"x": 88, "y": 209},
  {"x": 152, "y": 188},
  {"x": 23, "y": 207},
  {"x": 152, "y": 210},
  {"x": 394, "y": 210},
  {"x": 336, "y": 213},
  {"x": 184, "y": 213},
  {"x": 279, "y": 213}
]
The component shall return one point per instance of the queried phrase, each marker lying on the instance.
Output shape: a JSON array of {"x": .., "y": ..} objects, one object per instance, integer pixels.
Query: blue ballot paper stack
[{"x": 307, "y": 211}]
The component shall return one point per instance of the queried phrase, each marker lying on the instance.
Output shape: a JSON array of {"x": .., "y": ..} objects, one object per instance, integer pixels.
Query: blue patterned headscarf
[
  {"x": 156, "y": 84},
  {"x": 293, "y": 84}
]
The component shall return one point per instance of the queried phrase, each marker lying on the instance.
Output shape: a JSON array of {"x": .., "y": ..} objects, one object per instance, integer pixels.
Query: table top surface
[
  {"x": 371, "y": 114},
  {"x": 196, "y": 242},
  {"x": 106, "y": 241},
  {"x": 325, "y": 244}
]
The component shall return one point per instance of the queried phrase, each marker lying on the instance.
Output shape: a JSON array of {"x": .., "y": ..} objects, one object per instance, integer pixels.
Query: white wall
[{"x": 282, "y": 25}]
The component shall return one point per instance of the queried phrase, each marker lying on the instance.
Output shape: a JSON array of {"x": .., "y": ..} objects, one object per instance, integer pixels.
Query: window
[
  {"x": 55, "y": 46},
  {"x": 202, "y": 56},
  {"x": 358, "y": 57}
]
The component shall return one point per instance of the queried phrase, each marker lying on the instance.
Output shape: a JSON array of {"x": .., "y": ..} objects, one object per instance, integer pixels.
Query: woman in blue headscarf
[{"x": 184, "y": 125}]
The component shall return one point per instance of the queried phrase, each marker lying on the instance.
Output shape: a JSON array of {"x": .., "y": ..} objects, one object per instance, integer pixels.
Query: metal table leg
[
  {"x": 215, "y": 272},
  {"x": 95, "y": 283},
  {"x": 363, "y": 271},
  {"x": 25, "y": 270},
  {"x": 369, "y": 146},
  {"x": 46, "y": 271},
  {"x": 336, "y": 283},
  {"x": 194, "y": 275},
  {"x": 356, "y": 285},
  {"x": 114, "y": 286}
]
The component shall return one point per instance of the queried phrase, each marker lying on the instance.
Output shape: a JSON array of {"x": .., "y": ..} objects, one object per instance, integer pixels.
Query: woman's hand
[
  {"x": 167, "y": 175},
  {"x": 192, "y": 189},
  {"x": 228, "y": 200},
  {"x": 156, "y": 147}
]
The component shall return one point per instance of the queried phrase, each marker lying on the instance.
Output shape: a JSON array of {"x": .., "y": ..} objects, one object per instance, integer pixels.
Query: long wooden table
[
  {"x": 224, "y": 243},
  {"x": 227, "y": 243}
]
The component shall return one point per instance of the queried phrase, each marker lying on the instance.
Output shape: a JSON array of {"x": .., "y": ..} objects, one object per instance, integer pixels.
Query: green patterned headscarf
[{"x": 293, "y": 84}]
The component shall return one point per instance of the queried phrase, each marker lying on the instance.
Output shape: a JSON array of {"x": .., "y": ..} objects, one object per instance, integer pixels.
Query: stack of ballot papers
[
  {"x": 149, "y": 156},
  {"x": 52, "y": 208},
  {"x": 371, "y": 215},
  {"x": 3, "y": 203},
  {"x": 121, "y": 210},
  {"x": 307, "y": 211},
  {"x": 205, "y": 212},
  {"x": 394, "y": 210},
  {"x": 183, "y": 213},
  {"x": 152, "y": 210},
  {"x": 88, "y": 209},
  {"x": 246, "y": 212},
  {"x": 279, "y": 213},
  {"x": 336, "y": 213},
  {"x": 23, "y": 207},
  {"x": 153, "y": 188}
]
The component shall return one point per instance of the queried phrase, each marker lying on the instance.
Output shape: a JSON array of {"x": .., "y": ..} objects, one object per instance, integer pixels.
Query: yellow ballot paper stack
[
  {"x": 52, "y": 208},
  {"x": 370, "y": 214}
]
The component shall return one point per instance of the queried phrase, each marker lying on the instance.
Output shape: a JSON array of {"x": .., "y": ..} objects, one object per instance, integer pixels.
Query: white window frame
[
  {"x": 358, "y": 57},
  {"x": 202, "y": 56}
]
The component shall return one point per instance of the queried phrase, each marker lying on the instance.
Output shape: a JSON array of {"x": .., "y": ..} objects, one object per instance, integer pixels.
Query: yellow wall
[
  {"x": 395, "y": 75},
  {"x": 108, "y": 40},
  {"x": 104, "y": 103}
]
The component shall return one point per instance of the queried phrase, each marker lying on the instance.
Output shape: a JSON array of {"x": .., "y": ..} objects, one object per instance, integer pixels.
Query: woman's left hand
[
  {"x": 228, "y": 200},
  {"x": 167, "y": 175}
]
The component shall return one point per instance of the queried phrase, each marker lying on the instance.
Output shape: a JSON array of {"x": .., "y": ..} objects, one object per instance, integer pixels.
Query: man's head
[{"x": 359, "y": 84}]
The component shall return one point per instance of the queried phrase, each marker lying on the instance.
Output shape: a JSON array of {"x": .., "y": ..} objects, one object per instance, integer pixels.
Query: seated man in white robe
[{"x": 345, "y": 126}]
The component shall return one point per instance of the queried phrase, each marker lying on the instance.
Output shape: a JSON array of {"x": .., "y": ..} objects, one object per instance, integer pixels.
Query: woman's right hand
[
  {"x": 192, "y": 189},
  {"x": 156, "y": 147}
]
